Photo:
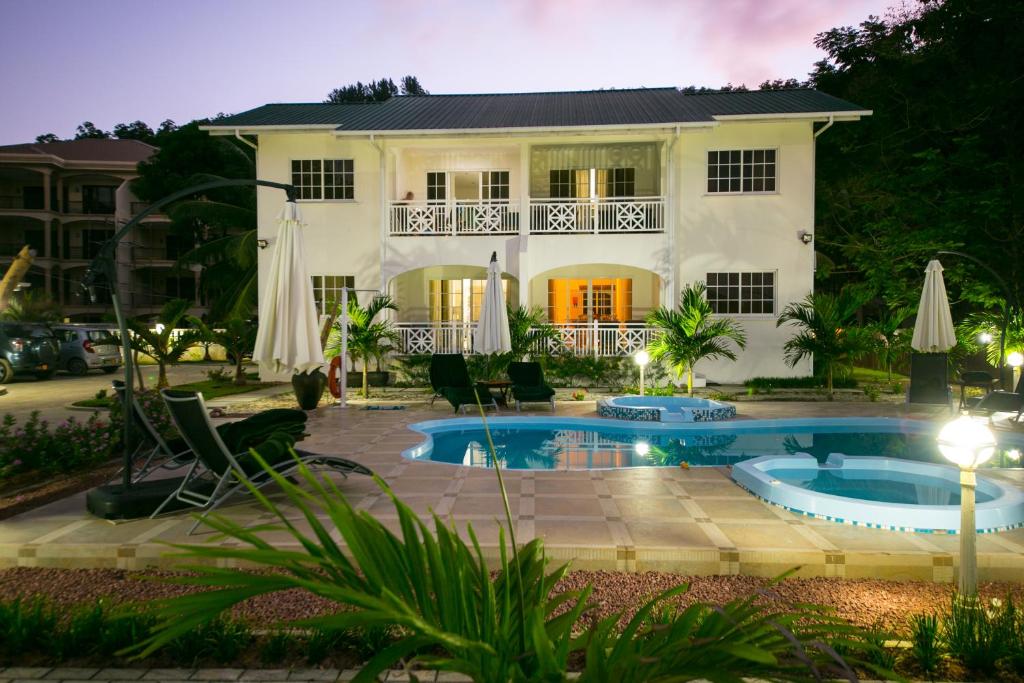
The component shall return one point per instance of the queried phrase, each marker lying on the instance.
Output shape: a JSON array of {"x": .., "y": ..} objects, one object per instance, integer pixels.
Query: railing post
[{"x": 595, "y": 339}]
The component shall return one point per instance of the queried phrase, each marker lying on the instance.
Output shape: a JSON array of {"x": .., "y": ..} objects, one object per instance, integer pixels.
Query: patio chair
[
  {"x": 172, "y": 453},
  {"x": 528, "y": 385},
  {"x": 450, "y": 378},
  {"x": 219, "y": 471},
  {"x": 929, "y": 380}
]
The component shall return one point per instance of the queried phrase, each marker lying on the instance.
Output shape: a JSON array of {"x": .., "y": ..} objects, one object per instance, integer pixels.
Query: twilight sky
[{"x": 109, "y": 61}]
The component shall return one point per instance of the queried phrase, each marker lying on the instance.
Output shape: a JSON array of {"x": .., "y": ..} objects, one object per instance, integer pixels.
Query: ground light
[
  {"x": 967, "y": 442},
  {"x": 1015, "y": 360},
  {"x": 642, "y": 358}
]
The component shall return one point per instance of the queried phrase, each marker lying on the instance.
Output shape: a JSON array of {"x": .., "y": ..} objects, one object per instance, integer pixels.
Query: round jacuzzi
[
  {"x": 665, "y": 409},
  {"x": 879, "y": 492}
]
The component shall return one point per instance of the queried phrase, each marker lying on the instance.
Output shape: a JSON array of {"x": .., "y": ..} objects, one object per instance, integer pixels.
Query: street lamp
[
  {"x": 642, "y": 358},
  {"x": 967, "y": 442}
]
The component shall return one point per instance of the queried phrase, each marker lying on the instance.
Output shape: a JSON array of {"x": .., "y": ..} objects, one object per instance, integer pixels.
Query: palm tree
[
  {"x": 692, "y": 333},
  {"x": 157, "y": 339},
  {"x": 892, "y": 341},
  {"x": 827, "y": 332},
  {"x": 32, "y": 307},
  {"x": 237, "y": 336},
  {"x": 529, "y": 331},
  {"x": 367, "y": 340}
]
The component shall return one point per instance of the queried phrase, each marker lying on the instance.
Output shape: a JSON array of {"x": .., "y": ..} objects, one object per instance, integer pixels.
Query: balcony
[
  {"x": 547, "y": 216},
  {"x": 459, "y": 217},
  {"x": 89, "y": 208},
  {"x": 19, "y": 203},
  {"x": 145, "y": 253},
  {"x": 580, "y": 339}
]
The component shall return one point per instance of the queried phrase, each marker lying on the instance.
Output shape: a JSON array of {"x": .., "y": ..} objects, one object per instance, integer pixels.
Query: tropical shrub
[
  {"x": 531, "y": 334},
  {"x": 367, "y": 340},
  {"x": 812, "y": 382},
  {"x": 890, "y": 339},
  {"x": 692, "y": 333},
  {"x": 160, "y": 340},
  {"x": 236, "y": 335},
  {"x": 826, "y": 331},
  {"x": 926, "y": 645},
  {"x": 71, "y": 445},
  {"x": 413, "y": 369}
]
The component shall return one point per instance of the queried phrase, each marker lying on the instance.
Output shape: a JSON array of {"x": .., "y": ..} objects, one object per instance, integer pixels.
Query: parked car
[
  {"x": 87, "y": 347},
  {"x": 27, "y": 348}
]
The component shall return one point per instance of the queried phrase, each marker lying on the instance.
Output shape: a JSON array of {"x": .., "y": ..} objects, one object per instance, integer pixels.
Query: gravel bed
[{"x": 886, "y": 604}]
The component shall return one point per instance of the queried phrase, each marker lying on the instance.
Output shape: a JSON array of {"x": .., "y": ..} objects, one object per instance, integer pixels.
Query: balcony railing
[
  {"x": 143, "y": 253},
  {"x": 91, "y": 208},
  {"x": 581, "y": 339},
  {"x": 547, "y": 216},
  {"x": 20, "y": 203},
  {"x": 633, "y": 214},
  {"x": 459, "y": 217}
]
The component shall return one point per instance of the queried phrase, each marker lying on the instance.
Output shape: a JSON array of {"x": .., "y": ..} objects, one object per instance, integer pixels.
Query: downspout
[
  {"x": 246, "y": 140},
  {"x": 382, "y": 180},
  {"x": 670, "y": 223},
  {"x": 814, "y": 201}
]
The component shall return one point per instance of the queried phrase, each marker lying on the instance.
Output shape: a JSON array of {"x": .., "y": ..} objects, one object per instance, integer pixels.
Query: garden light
[
  {"x": 642, "y": 448},
  {"x": 967, "y": 442},
  {"x": 1015, "y": 359},
  {"x": 642, "y": 358},
  {"x": 985, "y": 338}
]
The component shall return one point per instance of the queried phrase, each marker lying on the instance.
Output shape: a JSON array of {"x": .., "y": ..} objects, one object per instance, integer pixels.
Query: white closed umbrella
[
  {"x": 933, "y": 330},
  {"x": 492, "y": 335},
  {"x": 288, "y": 339}
]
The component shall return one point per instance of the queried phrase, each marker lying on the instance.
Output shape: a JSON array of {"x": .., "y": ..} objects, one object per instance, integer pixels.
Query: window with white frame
[
  {"x": 621, "y": 182},
  {"x": 750, "y": 293},
  {"x": 324, "y": 178},
  {"x": 437, "y": 186},
  {"x": 562, "y": 184},
  {"x": 494, "y": 185},
  {"x": 746, "y": 170},
  {"x": 327, "y": 290}
]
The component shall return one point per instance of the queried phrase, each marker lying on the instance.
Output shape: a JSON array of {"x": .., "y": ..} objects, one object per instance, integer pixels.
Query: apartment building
[
  {"x": 64, "y": 199},
  {"x": 601, "y": 205}
]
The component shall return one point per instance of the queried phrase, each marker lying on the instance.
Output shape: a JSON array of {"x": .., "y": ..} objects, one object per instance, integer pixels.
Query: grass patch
[
  {"x": 94, "y": 403},
  {"x": 770, "y": 383},
  {"x": 213, "y": 389},
  {"x": 870, "y": 375}
]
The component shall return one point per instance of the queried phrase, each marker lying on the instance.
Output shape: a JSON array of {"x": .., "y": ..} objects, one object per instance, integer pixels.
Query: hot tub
[
  {"x": 665, "y": 409},
  {"x": 884, "y": 493}
]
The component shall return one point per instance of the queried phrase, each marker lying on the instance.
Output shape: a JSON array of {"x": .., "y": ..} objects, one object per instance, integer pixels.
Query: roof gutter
[
  {"x": 246, "y": 140},
  {"x": 819, "y": 115}
]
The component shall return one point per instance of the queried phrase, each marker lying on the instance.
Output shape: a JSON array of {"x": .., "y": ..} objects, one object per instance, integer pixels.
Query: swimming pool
[
  {"x": 879, "y": 492},
  {"x": 553, "y": 443}
]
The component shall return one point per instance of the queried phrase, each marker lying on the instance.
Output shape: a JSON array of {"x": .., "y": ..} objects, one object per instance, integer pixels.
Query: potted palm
[
  {"x": 691, "y": 333},
  {"x": 367, "y": 340}
]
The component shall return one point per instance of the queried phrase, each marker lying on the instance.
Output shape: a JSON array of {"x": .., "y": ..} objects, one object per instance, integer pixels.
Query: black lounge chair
[
  {"x": 929, "y": 380},
  {"x": 170, "y": 454},
  {"x": 528, "y": 385},
  {"x": 450, "y": 378},
  {"x": 219, "y": 471}
]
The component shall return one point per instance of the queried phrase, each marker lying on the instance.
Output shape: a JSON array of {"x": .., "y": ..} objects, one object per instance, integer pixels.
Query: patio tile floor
[{"x": 692, "y": 521}]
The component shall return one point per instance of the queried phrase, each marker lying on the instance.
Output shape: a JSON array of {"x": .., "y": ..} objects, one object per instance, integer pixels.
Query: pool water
[
  {"x": 583, "y": 443},
  {"x": 882, "y": 486}
]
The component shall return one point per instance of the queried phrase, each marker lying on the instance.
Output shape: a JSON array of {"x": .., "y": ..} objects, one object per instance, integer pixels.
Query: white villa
[{"x": 601, "y": 205}]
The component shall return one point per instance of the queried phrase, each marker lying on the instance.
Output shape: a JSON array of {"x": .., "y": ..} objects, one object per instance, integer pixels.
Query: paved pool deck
[{"x": 694, "y": 521}]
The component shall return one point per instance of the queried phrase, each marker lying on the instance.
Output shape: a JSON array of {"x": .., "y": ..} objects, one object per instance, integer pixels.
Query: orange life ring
[{"x": 333, "y": 377}]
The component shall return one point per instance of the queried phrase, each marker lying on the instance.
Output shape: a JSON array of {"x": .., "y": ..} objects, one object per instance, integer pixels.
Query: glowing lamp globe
[
  {"x": 967, "y": 442},
  {"x": 642, "y": 358},
  {"x": 642, "y": 448},
  {"x": 1015, "y": 359},
  {"x": 985, "y": 337}
]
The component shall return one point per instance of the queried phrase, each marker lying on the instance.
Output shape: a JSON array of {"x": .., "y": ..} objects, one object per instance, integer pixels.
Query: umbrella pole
[{"x": 343, "y": 366}]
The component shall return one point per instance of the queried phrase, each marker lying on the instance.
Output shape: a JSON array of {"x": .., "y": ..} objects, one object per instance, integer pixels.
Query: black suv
[{"x": 27, "y": 348}]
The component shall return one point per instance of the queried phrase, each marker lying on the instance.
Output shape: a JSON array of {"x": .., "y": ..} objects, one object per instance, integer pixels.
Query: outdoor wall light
[
  {"x": 642, "y": 448},
  {"x": 805, "y": 236},
  {"x": 642, "y": 358},
  {"x": 967, "y": 442},
  {"x": 262, "y": 244}
]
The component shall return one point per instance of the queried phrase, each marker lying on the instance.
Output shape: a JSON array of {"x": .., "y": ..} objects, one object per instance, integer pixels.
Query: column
[
  {"x": 46, "y": 190},
  {"x": 524, "y": 224}
]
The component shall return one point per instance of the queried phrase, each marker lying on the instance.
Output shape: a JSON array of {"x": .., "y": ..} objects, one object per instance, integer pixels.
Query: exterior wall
[
  {"x": 704, "y": 232},
  {"x": 749, "y": 232}
]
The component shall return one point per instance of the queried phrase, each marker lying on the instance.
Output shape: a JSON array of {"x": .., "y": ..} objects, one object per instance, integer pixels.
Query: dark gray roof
[
  {"x": 643, "y": 106},
  {"x": 89, "y": 149}
]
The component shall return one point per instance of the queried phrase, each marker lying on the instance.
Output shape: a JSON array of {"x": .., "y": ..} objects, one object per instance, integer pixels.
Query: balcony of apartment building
[
  {"x": 157, "y": 247},
  {"x": 543, "y": 190},
  {"x": 151, "y": 288},
  {"x": 597, "y": 309}
]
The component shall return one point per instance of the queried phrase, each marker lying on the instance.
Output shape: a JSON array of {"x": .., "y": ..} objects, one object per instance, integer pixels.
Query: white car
[{"x": 87, "y": 347}]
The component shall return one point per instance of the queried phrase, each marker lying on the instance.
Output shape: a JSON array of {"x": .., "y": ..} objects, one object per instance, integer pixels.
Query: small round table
[{"x": 502, "y": 385}]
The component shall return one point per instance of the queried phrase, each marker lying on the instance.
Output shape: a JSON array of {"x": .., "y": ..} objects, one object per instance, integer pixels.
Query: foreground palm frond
[
  {"x": 436, "y": 589},
  {"x": 452, "y": 613}
]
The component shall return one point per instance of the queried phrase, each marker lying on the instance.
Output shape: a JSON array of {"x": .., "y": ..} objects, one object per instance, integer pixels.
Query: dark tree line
[
  {"x": 376, "y": 91},
  {"x": 136, "y": 130}
]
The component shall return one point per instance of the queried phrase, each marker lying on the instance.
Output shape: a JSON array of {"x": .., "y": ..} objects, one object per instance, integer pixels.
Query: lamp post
[
  {"x": 967, "y": 442},
  {"x": 1015, "y": 360},
  {"x": 642, "y": 358}
]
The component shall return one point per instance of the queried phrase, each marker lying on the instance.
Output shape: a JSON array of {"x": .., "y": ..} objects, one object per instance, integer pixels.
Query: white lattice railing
[
  {"x": 459, "y": 217},
  {"x": 633, "y": 214},
  {"x": 582, "y": 339}
]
